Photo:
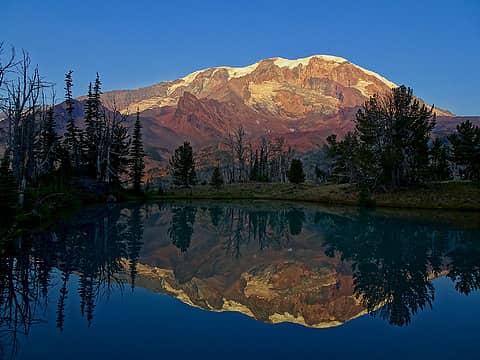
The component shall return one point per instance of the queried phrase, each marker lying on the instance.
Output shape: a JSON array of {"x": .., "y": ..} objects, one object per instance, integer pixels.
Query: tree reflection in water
[
  {"x": 92, "y": 246},
  {"x": 393, "y": 260},
  {"x": 240, "y": 225}
]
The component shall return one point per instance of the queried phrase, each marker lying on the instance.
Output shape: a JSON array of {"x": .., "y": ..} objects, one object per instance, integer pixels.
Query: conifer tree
[
  {"x": 72, "y": 137},
  {"x": 345, "y": 154},
  {"x": 90, "y": 139},
  {"x": 48, "y": 144},
  {"x": 137, "y": 166},
  {"x": 295, "y": 174},
  {"x": 393, "y": 133},
  {"x": 439, "y": 167},
  {"x": 182, "y": 166},
  {"x": 98, "y": 115},
  {"x": 119, "y": 153},
  {"x": 217, "y": 178},
  {"x": 466, "y": 149},
  {"x": 96, "y": 135}
]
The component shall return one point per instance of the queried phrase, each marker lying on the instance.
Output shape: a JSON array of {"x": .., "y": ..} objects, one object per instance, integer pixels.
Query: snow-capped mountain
[{"x": 303, "y": 100}]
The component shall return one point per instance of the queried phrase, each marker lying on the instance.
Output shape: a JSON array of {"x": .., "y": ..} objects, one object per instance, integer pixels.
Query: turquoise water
[{"x": 237, "y": 280}]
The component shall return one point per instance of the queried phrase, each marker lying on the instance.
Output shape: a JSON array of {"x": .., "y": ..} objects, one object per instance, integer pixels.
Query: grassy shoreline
[{"x": 447, "y": 195}]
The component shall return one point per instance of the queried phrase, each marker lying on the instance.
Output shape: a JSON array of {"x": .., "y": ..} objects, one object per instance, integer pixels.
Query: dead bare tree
[
  {"x": 5, "y": 67},
  {"x": 240, "y": 147},
  {"x": 22, "y": 106},
  {"x": 281, "y": 155},
  {"x": 230, "y": 144}
]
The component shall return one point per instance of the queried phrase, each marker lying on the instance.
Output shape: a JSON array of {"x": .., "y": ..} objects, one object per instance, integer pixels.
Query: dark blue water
[{"x": 144, "y": 281}]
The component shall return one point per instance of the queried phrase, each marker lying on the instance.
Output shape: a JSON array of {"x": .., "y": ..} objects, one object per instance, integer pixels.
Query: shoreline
[{"x": 459, "y": 196}]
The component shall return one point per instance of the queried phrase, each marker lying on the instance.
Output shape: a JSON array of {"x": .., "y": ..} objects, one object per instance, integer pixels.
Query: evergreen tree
[
  {"x": 295, "y": 174},
  {"x": 439, "y": 167},
  {"x": 97, "y": 102},
  {"x": 345, "y": 155},
  {"x": 96, "y": 134},
  {"x": 90, "y": 140},
  {"x": 182, "y": 166},
  {"x": 119, "y": 153},
  {"x": 100, "y": 135},
  {"x": 48, "y": 144},
  {"x": 466, "y": 149},
  {"x": 137, "y": 166},
  {"x": 393, "y": 134},
  {"x": 72, "y": 137},
  {"x": 217, "y": 178}
]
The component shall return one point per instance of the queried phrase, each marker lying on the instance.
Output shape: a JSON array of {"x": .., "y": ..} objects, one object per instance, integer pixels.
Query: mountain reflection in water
[{"x": 311, "y": 266}]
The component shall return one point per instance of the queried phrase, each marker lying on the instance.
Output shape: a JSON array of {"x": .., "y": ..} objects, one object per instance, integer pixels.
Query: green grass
[
  {"x": 449, "y": 195},
  {"x": 444, "y": 195}
]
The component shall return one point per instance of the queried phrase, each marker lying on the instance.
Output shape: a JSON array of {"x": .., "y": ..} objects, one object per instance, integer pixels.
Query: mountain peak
[
  {"x": 303, "y": 100},
  {"x": 291, "y": 64}
]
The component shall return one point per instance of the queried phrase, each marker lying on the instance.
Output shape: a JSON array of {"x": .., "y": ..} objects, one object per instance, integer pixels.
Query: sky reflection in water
[{"x": 95, "y": 285}]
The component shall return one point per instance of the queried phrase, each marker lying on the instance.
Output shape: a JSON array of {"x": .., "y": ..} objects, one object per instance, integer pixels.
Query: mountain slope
[{"x": 303, "y": 100}]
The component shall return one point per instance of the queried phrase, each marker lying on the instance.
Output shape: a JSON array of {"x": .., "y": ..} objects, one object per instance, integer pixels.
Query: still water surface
[{"x": 237, "y": 280}]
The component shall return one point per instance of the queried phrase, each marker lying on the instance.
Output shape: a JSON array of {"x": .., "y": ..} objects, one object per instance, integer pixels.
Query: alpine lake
[{"x": 243, "y": 280}]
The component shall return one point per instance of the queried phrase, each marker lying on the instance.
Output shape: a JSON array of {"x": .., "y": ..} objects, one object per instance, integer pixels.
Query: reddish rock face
[{"x": 303, "y": 100}]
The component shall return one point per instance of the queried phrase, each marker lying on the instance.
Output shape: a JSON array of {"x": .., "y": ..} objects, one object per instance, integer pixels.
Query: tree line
[
  {"x": 391, "y": 146},
  {"x": 270, "y": 161},
  {"x": 97, "y": 146}
]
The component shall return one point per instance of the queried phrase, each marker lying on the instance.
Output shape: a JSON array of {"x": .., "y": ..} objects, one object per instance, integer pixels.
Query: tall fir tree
[
  {"x": 182, "y": 166},
  {"x": 97, "y": 93},
  {"x": 90, "y": 139},
  {"x": 98, "y": 114},
  {"x": 119, "y": 153},
  {"x": 71, "y": 140},
  {"x": 94, "y": 139},
  {"x": 137, "y": 154},
  {"x": 48, "y": 144}
]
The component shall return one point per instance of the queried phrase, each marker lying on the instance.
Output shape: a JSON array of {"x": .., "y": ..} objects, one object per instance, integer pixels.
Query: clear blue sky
[{"x": 433, "y": 46}]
